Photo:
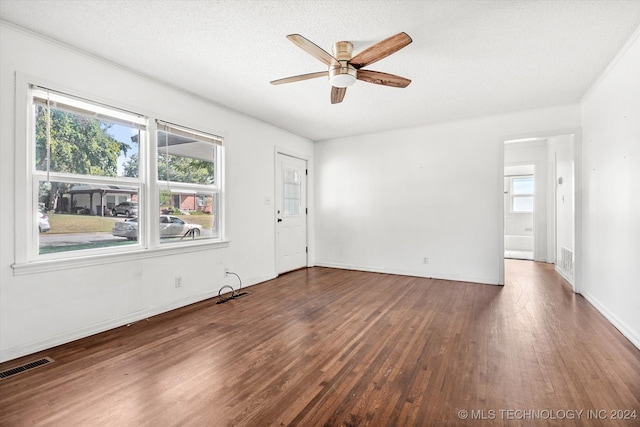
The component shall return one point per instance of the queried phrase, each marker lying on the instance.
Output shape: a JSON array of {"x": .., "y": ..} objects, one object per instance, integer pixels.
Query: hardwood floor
[{"x": 325, "y": 347}]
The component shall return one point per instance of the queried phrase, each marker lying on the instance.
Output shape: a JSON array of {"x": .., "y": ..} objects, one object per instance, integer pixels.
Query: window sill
[{"x": 92, "y": 260}]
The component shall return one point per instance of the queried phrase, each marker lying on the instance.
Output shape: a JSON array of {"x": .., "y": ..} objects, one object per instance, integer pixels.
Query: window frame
[
  {"x": 77, "y": 178},
  {"x": 189, "y": 188},
  {"x": 27, "y": 178},
  {"x": 291, "y": 192}
]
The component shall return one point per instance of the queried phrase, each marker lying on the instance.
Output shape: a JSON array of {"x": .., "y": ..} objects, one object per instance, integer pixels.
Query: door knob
[{"x": 279, "y": 219}]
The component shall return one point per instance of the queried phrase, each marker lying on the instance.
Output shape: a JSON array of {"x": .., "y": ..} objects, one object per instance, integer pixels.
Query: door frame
[
  {"x": 307, "y": 160},
  {"x": 577, "y": 232},
  {"x": 536, "y": 209}
]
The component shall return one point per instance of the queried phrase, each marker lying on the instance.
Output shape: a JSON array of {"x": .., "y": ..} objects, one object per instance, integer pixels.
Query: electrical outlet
[
  {"x": 178, "y": 282},
  {"x": 425, "y": 260}
]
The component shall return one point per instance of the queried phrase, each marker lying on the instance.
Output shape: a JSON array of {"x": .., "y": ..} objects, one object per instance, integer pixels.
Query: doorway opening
[
  {"x": 519, "y": 210},
  {"x": 540, "y": 215}
]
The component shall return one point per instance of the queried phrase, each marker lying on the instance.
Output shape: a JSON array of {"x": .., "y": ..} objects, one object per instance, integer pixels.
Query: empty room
[{"x": 319, "y": 213}]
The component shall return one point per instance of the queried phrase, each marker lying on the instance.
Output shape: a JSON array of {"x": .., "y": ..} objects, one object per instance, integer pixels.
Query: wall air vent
[{"x": 566, "y": 264}]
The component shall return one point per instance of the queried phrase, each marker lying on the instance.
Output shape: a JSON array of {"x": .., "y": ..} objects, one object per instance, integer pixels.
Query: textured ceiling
[{"x": 468, "y": 58}]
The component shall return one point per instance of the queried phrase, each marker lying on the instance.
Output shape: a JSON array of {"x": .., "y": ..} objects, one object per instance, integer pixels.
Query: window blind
[
  {"x": 188, "y": 133},
  {"x": 69, "y": 104}
]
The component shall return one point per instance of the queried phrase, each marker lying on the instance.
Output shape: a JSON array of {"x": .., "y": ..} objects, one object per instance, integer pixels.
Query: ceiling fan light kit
[
  {"x": 345, "y": 74},
  {"x": 344, "y": 69},
  {"x": 342, "y": 76}
]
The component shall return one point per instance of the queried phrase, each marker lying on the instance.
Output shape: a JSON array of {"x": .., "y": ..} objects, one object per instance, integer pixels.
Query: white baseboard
[
  {"x": 401, "y": 272},
  {"x": 565, "y": 277},
  {"x": 33, "y": 347},
  {"x": 624, "y": 329}
]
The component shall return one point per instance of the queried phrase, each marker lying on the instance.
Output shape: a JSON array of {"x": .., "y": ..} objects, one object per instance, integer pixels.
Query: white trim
[
  {"x": 577, "y": 141},
  {"x": 565, "y": 277},
  {"x": 513, "y": 195},
  {"x": 32, "y": 347},
  {"x": 306, "y": 159},
  {"x": 81, "y": 261},
  {"x": 24, "y": 231},
  {"x": 184, "y": 131},
  {"x": 27, "y": 257},
  {"x": 577, "y": 200},
  {"x": 74, "y": 105},
  {"x": 86, "y": 179},
  {"x": 624, "y": 329},
  {"x": 411, "y": 273},
  {"x": 621, "y": 53},
  {"x": 286, "y": 152},
  {"x": 500, "y": 186}
]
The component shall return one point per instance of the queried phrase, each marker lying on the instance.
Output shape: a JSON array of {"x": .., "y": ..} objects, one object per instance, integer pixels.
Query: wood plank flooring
[{"x": 325, "y": 347}]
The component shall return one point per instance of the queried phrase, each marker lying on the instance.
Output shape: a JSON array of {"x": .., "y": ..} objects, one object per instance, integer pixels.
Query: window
[
  {"x": 89, "y": 189},
  {"x": 83, "y": 158},
  {"x": 188, "y": 181},
  {"x": 522, "y": 194},
  {"x": 291, "y": 191}
]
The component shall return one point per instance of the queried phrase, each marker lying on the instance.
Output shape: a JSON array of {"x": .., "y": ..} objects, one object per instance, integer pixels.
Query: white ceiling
[{"x": 468, "y": 58}]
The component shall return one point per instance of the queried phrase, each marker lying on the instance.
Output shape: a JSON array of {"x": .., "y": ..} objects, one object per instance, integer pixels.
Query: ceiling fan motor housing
[
  {"x": 344, "y": 68},
  {"x": 345, "y": 74}
]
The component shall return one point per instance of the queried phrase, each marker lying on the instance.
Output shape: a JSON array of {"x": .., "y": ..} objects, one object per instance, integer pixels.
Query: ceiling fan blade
[
  {"x": 337, "y": 94},
  {"x": 300, "y": 77},
  {"x": 380, "y": 50},
  {"x": 313, "y": 49},
  {"x": 380, "y": 78}
]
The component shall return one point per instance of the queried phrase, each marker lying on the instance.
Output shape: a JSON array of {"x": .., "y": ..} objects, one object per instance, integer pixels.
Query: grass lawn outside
[
  {"x": 206, "y": 221},
  {"x": 70, "y": 223},
  {"x": 73, "y": 223},
  {"x": 81, "y": 246}
]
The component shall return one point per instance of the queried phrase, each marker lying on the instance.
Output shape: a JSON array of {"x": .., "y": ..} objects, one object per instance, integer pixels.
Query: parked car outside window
[
  {"x": 43, "y": 222},
  {"x": 170, "y": 226},
  {"x": 127, "y": 209}
]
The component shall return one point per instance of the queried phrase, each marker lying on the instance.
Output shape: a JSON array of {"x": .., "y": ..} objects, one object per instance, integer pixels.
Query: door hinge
[
  {"x": 306, "y": 249},
  {"x": 306, "y": 171},
  {"x": 306, "y": 211}
]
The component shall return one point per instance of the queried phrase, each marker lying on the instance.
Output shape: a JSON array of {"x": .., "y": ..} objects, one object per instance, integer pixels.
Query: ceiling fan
[{"x": 344, "y": 70}]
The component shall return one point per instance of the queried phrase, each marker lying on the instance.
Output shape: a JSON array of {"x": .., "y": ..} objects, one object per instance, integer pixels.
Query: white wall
[
  {"x": 40, "y": 310},
  {"x": 611, "y": 202},
  {"x": 385, "y": 201}
]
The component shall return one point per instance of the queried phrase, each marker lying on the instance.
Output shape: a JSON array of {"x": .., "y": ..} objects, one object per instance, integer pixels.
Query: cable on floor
[{"x": 234, "y": 293}]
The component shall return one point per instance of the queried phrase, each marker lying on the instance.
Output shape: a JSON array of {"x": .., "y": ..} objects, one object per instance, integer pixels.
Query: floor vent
[{"x": 23, "y": 368}]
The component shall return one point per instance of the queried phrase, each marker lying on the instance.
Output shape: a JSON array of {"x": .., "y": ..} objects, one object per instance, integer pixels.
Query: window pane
[
  {"x": 523, "y": 185},
  {"x": 75, "y": 217},
  {"x": 523, "y": 203},
  {"x": 83, "y": 145},
  {"x": 291, "y": 191},
  {"x": 182, "y": 159},
  {"x": 188, "y": 215}
]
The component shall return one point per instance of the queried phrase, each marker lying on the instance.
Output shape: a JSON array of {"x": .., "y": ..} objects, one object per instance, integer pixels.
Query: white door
[{"x": 291, "y": 213}]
